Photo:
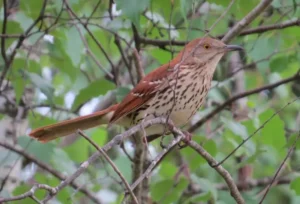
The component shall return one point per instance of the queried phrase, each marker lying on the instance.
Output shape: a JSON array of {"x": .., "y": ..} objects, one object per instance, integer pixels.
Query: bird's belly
[
  {"x": 179, "y": 104},
  {"x": 180, "y": 112}
]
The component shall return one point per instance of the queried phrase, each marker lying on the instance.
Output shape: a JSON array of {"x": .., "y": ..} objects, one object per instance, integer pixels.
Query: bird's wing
[{"x": 144, "y": 91}]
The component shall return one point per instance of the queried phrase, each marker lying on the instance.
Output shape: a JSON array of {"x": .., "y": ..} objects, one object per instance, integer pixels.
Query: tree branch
[
  {"x": 223, "y": 172},
  {"x": 30, "y": 193},
  {"x": 280, "y": 167},
  {"x": 20, "y": 42},
  {"x": 246, "y": 20},
  {"x": 49, "y": 169},
  {"x": 5, "y": 15},
  {"x": 117, "y": 140},
  {"x": 112, "y": 165}
]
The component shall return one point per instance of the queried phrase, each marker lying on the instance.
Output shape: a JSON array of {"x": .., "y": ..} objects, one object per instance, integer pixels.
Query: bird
[{"x": 175, "y": 90}]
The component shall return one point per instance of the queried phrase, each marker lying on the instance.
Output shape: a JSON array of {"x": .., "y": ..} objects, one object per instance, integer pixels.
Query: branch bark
[
  {"x": 49, "y": 169},
  {"x": 246, "y": 20}
]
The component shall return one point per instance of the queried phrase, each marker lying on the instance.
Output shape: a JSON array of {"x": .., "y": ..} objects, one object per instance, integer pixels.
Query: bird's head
[{"x": 207, "y": 49}]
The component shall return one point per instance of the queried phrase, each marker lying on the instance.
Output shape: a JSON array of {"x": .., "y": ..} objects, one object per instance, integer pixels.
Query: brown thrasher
[{"x": 175, "y": 90}]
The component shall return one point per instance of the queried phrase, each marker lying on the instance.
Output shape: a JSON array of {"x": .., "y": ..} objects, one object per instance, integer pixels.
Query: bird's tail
[{"x": 64, "y": 128}]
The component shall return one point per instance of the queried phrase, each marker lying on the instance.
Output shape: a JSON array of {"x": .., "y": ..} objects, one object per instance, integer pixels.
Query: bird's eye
[{"x": 206, "y": 46}]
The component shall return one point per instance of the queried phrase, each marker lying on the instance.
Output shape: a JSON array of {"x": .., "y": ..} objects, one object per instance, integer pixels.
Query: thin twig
[
  {"x": 138, "y": 65},
  {"x": 223, "y": 172},
  {"x": 20, "y": 42},
  {"x": 5, "y": 15},
  {"x": 280, "y": 167},
  {"x": 156, "y": 160},
  {"x": 222, "y": 16},
  {"x": 119, "y": 46},
  {"x": 112, "y": 165},
  {"x": 257, "y": 130},
  {"x": 262, "y": 29},
  {"x": 115, "y": 141},
  {"x": 49, "y": 169},
  {"x": 85, "y": 25},
  {"x": 110, "y": 76},
  {"x": 30, "y": 193}
]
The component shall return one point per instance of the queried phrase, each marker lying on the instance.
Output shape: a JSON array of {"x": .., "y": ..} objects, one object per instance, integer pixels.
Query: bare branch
[
  {"x": 280, "y": 167},
  {"x": 256, "y": 131},
  {"x": 111, "y": 163},
  {"x": 115, "y": 141},
  {"x": 223, "y": 172},
  {"x": 20, "y": 42},
  {"x": 5, "y": 15},
  {"x": 138, "y": 65},
  {"x": 252, "y": 183},
  {"x": 30, "y": 193},
  {"x": 246, "y": 20},
  {"x": 110, "y": 76},
  {"x": 85, "y": 25},
  {"x": 156, "y": 160},
  {"x": 263, "y": 29},
  {"x": 49, "y": 169}
]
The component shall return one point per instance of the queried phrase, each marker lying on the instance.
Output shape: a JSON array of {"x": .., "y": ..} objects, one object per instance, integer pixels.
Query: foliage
[{"x": 69, "y": 63}]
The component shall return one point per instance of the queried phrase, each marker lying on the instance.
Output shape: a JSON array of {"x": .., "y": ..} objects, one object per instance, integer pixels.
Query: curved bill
[{"x": 233, "y": 48}]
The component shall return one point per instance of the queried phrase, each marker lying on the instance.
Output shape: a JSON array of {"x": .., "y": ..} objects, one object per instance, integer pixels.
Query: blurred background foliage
[{"x": 81, "y": 56}]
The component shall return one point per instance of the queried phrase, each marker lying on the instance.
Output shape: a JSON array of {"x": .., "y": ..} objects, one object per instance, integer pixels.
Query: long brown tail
[{"x": 64, "y": 128}]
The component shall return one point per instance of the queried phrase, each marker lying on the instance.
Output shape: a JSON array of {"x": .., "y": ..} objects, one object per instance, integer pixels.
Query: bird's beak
[{"x": 229, "y": 48}]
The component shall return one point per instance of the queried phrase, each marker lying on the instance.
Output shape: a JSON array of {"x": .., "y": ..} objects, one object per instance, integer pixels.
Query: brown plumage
[{"x": 176, "y": 89}]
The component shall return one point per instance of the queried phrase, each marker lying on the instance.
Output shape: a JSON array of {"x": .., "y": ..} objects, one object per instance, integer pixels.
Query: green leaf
[
  {"x": 23, "y": 188},
  {"x": 292, "y": 140},
  {"x": 74, "y": 45},
  {"x": 168, "y": 170},
  {"x": 62, "y": 162},
  {"x": 121, "y": 92},
  {"x": 123, "y": 164},
  {"x": 168, "y": 187},
  {"x": 198, "y": 198},
  {"x": 161, "y": 56},
  {"x": 23, "y": 19},
  {"x": 99, "y": 136},
  {"x": 94, "y": 89},
  {"x": 63, "y": 195},
  {"x": 282, "y": 90},
  {"x": 261, "y": 48},
  {"x": 207, "y": 185},
  {"x": 60, "y": 59},
  {"x": 220, "y": 2},
  {"x": 8, "y": 157},
  {"x": 74, "y": 154},
  {"x": 295, "y": 185},
  {"x": 211, "y": 147},
  {"x": 132, "y": 9},
  {"x": 31, "y": 8},
  {"x": 43, "y": 85},
  {"x": 12, "y": 27},
  {"x": 19, "y": 86},
  {"x": 279, "y": 63},
  {"x": 273, "y": 132},
  {"x": 41, "y": 151},
  {"x": 195, "y": 162},
  {"x": 236, "y": 128}
]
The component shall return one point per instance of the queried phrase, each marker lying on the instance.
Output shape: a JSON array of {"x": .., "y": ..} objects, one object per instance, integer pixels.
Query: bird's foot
[{"x": 187, "y": 138}]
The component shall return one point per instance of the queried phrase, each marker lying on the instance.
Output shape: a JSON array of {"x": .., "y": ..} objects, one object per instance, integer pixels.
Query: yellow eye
[{"x": 206, "y": 46}]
